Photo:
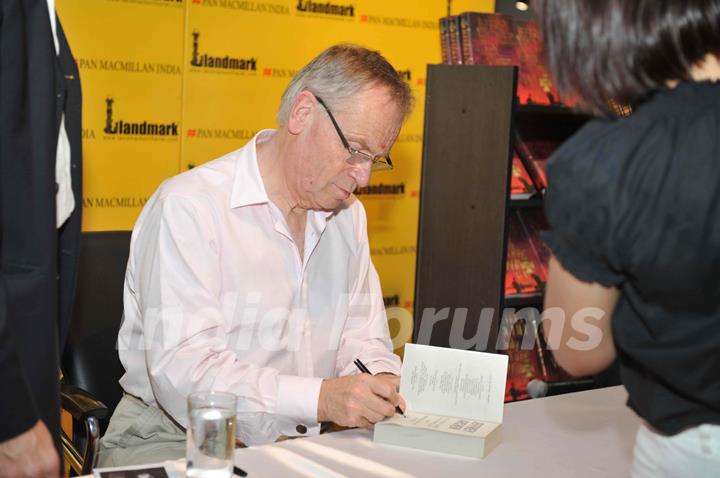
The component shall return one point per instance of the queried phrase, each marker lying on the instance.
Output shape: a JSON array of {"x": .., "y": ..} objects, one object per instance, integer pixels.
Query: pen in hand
[{"x": 361, "y": 366}]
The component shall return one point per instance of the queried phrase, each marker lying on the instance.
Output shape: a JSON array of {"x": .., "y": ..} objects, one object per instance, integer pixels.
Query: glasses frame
[{"x": 379, "y": 162}]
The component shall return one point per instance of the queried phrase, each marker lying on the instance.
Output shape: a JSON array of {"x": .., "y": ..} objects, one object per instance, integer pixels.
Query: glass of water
[{"x": 211, "y": 434}]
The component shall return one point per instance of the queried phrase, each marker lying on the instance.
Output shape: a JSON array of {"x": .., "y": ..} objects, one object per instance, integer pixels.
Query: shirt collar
[{"x": 248, "y": 187}]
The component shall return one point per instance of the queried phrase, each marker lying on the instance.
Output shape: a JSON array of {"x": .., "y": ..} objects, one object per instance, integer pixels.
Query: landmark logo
[
  {"x": 225, "y": 62},
  {"x": 142, "y": 129},
  {"x": 325, "y": 8},
  {"x": 381, "y": 190}
]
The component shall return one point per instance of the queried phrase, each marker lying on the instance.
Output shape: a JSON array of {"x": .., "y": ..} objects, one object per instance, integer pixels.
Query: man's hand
[
  {"x": 359, "y": 400},
  {"x": 394, "y": 380},
  {"x": 30, "y": 455}
]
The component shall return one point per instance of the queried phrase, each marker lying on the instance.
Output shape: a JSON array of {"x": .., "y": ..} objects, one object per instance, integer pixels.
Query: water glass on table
[{"x": 211, "y": 434}]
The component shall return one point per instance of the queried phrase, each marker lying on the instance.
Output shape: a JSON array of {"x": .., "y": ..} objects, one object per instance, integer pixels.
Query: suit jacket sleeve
[
  {"x": 17, "y": 407},
  {"x": 18, "y": 412}
]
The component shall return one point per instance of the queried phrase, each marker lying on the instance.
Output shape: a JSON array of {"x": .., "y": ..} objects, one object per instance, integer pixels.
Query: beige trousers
[{"x": 140, "y": 434}]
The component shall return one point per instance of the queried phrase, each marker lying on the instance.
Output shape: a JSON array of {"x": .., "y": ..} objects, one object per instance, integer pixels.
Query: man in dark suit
[{"x": 40, "y": 210}]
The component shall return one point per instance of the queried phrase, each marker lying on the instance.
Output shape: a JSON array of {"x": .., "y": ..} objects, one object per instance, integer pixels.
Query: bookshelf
[
  {"x": 471, "y": 117},
  {"x": 464, "y": 202}
]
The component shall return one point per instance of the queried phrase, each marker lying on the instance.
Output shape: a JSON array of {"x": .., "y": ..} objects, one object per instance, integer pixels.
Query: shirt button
[{"x": 301, "y": 429}]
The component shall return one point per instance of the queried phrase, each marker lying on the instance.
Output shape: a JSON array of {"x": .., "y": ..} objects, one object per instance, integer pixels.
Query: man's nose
[{"x": 361, "y": 173}]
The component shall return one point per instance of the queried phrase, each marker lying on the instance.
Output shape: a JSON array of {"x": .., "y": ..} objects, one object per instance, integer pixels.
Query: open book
[{"x": 454, "y": 402}]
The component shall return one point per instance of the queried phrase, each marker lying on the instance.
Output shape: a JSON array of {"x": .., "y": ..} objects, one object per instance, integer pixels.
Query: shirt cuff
[
  {"x": 298, "y": 398},
  {"x": 388, "y": 365}
]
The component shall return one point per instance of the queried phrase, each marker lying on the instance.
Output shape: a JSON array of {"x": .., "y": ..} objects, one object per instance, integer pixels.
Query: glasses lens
[
  {"x": 378, "y": 164},
  {"x": 359, "y": 158},
  {"x": 381, "y": 165}
]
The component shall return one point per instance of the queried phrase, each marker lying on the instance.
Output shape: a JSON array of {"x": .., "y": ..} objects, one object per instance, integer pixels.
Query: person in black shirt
[{"x": 634, "y": 209}]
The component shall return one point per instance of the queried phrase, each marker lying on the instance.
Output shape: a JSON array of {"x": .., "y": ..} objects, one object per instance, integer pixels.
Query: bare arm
[{"x": 586, "y": 344}]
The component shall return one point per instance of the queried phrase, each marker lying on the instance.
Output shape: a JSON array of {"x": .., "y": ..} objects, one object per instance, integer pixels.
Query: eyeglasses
[{"x": 379, "y": 163}]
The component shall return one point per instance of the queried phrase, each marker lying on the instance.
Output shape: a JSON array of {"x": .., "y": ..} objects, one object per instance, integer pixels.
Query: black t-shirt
[{"x": 634, "y": 203}]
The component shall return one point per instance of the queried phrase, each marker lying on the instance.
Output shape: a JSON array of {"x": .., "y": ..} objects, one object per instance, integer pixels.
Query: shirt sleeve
[
  {"x": 178, "y": 280},
  {"x": 580, "y": 214},
  {"x": 366, "y": 335}
]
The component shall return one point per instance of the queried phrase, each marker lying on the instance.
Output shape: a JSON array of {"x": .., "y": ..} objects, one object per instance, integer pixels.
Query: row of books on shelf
[
  {"x": 527, "y": 255},
  {"x": 527, "y": 271},
  {"x": 526, "y": 276},
  {"x": 473, "y": 38}
]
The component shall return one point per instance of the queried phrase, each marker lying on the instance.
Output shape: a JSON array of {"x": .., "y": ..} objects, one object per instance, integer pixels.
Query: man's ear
[{"x": 300, "y": 115}]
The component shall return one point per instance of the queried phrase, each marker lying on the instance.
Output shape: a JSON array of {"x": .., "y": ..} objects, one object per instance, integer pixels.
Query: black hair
[{"x": 623, "y": 50}]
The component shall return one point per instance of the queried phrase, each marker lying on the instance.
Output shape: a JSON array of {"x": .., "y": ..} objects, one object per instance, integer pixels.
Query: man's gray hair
[{"x": 341, "y": 71}]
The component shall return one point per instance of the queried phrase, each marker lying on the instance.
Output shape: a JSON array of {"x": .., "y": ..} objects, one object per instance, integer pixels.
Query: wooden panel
[{"x": 464, "y": 196}]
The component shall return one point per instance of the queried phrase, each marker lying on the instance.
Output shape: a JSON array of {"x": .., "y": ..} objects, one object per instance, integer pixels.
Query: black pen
[
  {"x": 239, "y": 471},
  {"x": 361, "y": 366}
]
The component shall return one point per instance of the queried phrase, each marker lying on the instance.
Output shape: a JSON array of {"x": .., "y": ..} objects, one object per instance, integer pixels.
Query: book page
[
  {"x": 455, "y": 383},
  {"x": 457, "y": 426}
]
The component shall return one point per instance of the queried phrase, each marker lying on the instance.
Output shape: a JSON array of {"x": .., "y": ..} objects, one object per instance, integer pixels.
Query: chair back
[{"x": 90, "y": 359}]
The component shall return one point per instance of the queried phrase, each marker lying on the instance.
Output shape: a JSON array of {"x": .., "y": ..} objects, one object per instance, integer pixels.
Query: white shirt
[
  {"x": 217, "y": 297},
  {"x": 65, "y": 200}
]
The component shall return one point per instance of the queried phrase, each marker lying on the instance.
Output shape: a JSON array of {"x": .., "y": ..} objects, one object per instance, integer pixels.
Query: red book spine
[
  {"x": 467, "y": 38},
  {"x": 533, "y": 155},
  {"x": 445, "y": 40},
  {"x": 521, "y": 184},
  {"x": 456, "y": 48},
  {"x": 522, "y": 275},
  {"x": 534, "y": 167},
  {"x": 534, "y": 223}
]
